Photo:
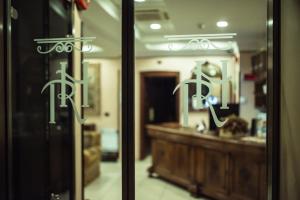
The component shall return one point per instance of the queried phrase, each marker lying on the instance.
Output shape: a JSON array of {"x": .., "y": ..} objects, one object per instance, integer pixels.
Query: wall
[
  {"x": 247, "y": 109},
  {"x": 290, "y": 107},
  {"x": 77, "y": 125},
  {"x": 184, "y": 65},
  {"x": 109, "y": 94}
]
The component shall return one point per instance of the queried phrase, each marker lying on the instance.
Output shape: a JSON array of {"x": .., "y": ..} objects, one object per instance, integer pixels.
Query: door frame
[
  {"x": 3, "y": 139},
  {"x": 5, "y": 99},
  {"x": 143, "y": 76},
  {"x": 128, "y": 103},
  {"x": 6, "y": 129},
  {"x": 128, "y": 121},
  {"x": 273, "y": 98}
]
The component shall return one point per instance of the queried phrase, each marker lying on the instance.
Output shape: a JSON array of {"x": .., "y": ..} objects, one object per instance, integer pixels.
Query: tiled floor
[{"x": 108, "y": 187}]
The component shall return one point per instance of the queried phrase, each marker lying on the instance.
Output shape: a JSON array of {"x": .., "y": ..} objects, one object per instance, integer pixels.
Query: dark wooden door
[{"x": 158, "y": 104}]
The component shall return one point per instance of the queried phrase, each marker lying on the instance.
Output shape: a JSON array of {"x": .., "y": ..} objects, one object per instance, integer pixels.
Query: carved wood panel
[
  {"x": 245, "y": 177},
  {"x": 216, "y": 173},
  {"x": 263, "y": 182},
  {"x": 163, "y": 155},
  {"x": 217, "y": 169},
  {"x": 199, "y": 165},
  {"x": 182, "y": 160}
]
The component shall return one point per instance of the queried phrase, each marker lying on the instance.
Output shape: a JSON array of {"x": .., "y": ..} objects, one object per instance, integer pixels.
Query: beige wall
[
  {"x": 77, "y": 125},
  {"x": 290, "y": 107},
  {"x": 247, "y": 109},
  {"x": 109, "y": 94}
]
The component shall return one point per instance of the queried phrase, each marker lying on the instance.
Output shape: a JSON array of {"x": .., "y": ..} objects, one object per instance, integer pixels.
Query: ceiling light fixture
[
  {"x": 222, "y": 24},
  {"x": 270, "y": 22},
  {"x": 155, "y": 26},
  {"x": 91, "y": 48},
  {"x": 139, "y": 1}
]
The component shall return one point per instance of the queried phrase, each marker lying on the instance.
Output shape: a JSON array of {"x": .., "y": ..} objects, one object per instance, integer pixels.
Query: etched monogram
[
  {"x": 61, "y": 45},
  {"x": 199, "y": 97},
  {"x": 67, "y": 81}
]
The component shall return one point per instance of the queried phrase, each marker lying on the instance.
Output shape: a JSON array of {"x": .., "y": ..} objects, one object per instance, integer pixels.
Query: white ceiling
[{"x": 247, "y": 18}]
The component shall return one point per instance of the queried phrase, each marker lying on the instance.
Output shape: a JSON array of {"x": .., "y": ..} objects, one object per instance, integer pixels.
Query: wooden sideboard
[{"x": 209, "y": 165}]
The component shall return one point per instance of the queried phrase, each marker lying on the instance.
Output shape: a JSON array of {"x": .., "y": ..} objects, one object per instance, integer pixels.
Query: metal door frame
[{"x": 128, "y": 71}]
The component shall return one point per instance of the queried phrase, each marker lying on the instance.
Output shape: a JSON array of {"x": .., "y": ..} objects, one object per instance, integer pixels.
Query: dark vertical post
[
  {"x": 3, "y": 178},
  {"x": 273, "y": 101},
  {"x": 8, "y": 98},
  {"x": 71, "y": 112},
  {"x": 128, "y": 100}
]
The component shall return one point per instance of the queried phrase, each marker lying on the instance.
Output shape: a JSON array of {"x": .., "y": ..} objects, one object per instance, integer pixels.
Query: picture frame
[{"x": 94, "y": 96}]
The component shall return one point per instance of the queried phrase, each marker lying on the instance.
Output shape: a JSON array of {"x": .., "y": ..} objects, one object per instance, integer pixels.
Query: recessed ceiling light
[
  {"x": 270, "y": 22},
  {"x": 139, "y": 1},
  {"x": 222, "y": 24},
  {"x": 155, "y": 26}
]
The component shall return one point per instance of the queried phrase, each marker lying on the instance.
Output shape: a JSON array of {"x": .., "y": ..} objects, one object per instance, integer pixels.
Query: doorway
[{"x": 157, "y": 105}]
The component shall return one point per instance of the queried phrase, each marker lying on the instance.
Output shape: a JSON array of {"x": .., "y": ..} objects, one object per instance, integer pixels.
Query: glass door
[
  {"x": 201, "y": 99},
  {"x": 42, "y": 153},
  {"x": 64, "y": 86},
  {"x": 183, "y": 118}
]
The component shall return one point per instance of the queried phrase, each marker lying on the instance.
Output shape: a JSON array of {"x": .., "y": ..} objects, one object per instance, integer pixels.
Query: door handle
[
  {"x": 13, "y": 13},
  {"x": 55, "y": 196},
  {"x": 151, "y": 114}
]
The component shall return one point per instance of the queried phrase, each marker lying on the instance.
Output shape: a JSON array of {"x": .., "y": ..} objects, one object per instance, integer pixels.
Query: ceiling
[{"x": 246, "y": 18}]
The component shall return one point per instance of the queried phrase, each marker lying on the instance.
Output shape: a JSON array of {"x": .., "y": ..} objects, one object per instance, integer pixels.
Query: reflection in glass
[{"x": 101, "y": 151}]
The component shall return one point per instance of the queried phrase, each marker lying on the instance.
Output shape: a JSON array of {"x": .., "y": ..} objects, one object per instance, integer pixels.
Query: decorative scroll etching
[
  {"x": 66, "y": 96},
  {"x": 61, "y": 45},
  {"x": 202, "y": 41}
]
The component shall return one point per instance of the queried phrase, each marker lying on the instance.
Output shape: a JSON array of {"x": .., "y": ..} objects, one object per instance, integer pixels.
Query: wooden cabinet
[
  {"x": 218, "y": 168},
  {"x": 199, "y": 164},
  {"x": 171, "y": 161},
  {"x": 161, "y": 156},
  {"x": 216, "y": 174},
  {"x": 245, "y": 177},
  {"x": 181, "y": 161}
]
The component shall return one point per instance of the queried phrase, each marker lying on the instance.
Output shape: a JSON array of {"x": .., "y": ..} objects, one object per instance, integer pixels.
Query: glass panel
[
  {"x": 42, "y": 154},
  {"x": 200, "y": 99},
  {"x": 65, "y": 85},
  {"x": 102, "y": 136}
]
